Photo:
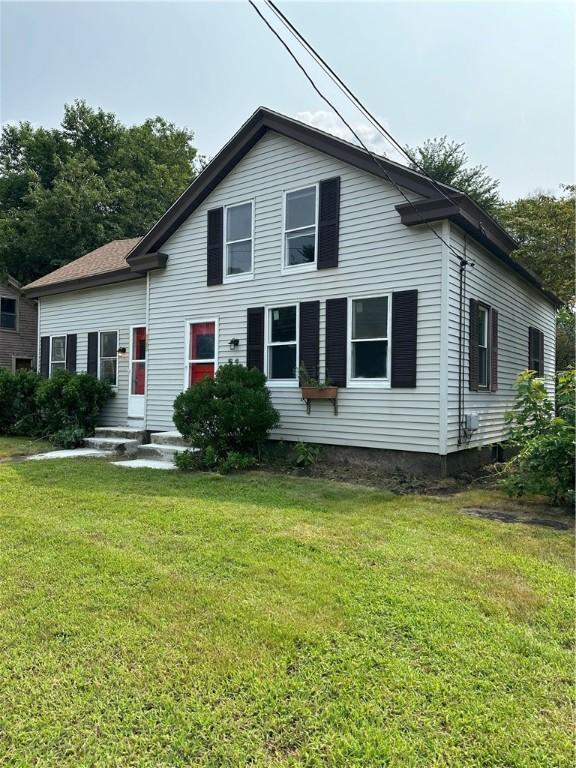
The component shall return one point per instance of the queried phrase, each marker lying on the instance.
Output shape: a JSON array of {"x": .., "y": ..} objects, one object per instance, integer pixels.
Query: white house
[{"x": 295, "y": 246}]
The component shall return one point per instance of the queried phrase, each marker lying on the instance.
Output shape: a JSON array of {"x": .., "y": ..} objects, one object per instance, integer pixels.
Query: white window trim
[
  {"x": 16, "y": 314},
  {"x": 369, "y": 383},
  {"x": 283, "y": 383},
  {"x": 188, "y": 361},
  {"x": 292, "y": 268},
  {"x": 131, "y": 361},
  {"x": 243, "y": 275},
  {"x": 112, "y": 330},
  {"x": 482, "y": 308},
  {"x": 57, "y": 336}
]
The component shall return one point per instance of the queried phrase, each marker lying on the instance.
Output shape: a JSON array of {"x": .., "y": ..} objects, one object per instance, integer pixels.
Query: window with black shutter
[
  {"x": 483, "y": 347},
  {"x": 536, "y": 351}
]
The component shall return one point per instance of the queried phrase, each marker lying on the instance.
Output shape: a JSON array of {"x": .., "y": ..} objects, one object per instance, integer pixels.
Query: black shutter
[
  {"x": 473, "y": 357},
  {"x": 493, "y": 350},
  {"x": 404, "y": 338},
  {"x": 255, "y": 338},
  {"x": 541, "y": 355},
  {"x": 45, "y": 355},
  {"x": 310, "y": 337},
  {"x": 536, "y": 351},
  {"x": 215, "y": 256},
  {"x": 71, "y": 352},
  {"x": 336, "y": 341},
  {"x": 92, "y": 362},
  {"x": 328, "y": 223}
]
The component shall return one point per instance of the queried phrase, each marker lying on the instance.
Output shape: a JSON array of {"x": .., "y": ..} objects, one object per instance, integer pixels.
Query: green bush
[
  {"x": 305, "y": 454},
  {"x": 230, "y": 413},
  {"x": 68, "y": 438},
  {"x": 71, "y": 401},
  {"x": 237, "y": 462},
  {"x": 544, "y": 437},
  {"x": 18, "y": 409}
]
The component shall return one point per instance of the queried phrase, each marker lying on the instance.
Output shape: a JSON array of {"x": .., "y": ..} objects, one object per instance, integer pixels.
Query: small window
[
  {"x": 282, "y": 343},
  {"x": 238, "y": 237},
  {"x": 369, "y": 338},
  {"x": 108, "y": 357},
  {"x": 202, "y": 347},
  {"x": 300, "y": 227},
  {"x": 8, "y": 314},
  {"x": 57, "y": 353},
  {"x": 483, "y": 346}
]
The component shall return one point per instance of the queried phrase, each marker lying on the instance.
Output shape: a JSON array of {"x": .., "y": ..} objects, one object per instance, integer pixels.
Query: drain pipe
[{"x": 461, "y": 332}]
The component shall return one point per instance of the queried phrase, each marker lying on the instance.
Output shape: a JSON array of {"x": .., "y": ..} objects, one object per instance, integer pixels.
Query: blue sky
[{"x": 497, "y": 75}]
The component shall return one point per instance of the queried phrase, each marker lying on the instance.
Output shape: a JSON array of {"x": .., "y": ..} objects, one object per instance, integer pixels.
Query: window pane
[
  {"x": 370, "y": 318},
  {"x": 59, "y": 349},
  {"x": 8, "y": 306},
  {"x": 56, "y": 367},
  {"x": 301, "y": 208},
  {"x": 283, "y": 324},
  {"x": 282, "y": 362},
  {"x": 240, "y": 257},
  {"x": 482, "y": 316},
  {"x": 139, "y": 345},
  {"x": 7, "y": 320},
  {"x": 300, "y": 248},
  {"x": 108, "y": 344},
  {"x": 199, "y": 371},
  {"x": 483, "y": 366},
  {"x": 108, "y": 369},
  {"x": 202, "y": 341},
  {"x": 138, "y": 385},
  {"x": 239, "y": 222},
  {"x": 369, "y": 359}
]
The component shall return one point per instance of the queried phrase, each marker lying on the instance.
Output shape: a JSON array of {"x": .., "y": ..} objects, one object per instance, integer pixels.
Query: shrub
[
  {"x": 236, "y": 462},
  {"x": 188, "y": 461},
  {"x": 545, "y": 441},
  {"x": 305, "y": 454},
  {"x": 68, "y": 438},
  {"x": 230, "y": 413},
  {"x": 18, "y": 410},
  {"x": 71, "y": 401}
]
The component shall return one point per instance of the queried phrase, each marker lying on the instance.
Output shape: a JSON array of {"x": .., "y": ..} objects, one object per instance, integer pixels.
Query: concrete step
[
  {"x": 160, "y": 452},
  {"x": 167, "y": 438},
  {"x": 121, "y": 432},
  {"x": 114, "y": 444}
]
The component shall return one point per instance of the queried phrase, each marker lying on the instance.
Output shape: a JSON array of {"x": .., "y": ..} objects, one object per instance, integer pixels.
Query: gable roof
[{"x": 103, "y": 265}]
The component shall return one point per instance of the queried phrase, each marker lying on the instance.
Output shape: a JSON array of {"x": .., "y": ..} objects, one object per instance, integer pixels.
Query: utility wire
[{"x": 374, "y": 157}]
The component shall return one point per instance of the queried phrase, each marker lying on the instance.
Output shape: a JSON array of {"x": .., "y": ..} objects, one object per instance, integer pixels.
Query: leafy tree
[
  {"x": 543, "y": 225},
  {"x": 66, "y": 191},
  {"x": 565, "y": 337},
  {"x": 446, "y": 161}
]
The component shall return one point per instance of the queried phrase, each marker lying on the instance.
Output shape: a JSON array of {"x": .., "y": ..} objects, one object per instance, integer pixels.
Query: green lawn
[
  {"x": 153, "y": 619},
  {"x": 21, "y": 446}
]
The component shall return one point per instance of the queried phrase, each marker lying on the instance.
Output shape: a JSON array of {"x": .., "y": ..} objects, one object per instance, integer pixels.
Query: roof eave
[{"x": 91, "y": 281}]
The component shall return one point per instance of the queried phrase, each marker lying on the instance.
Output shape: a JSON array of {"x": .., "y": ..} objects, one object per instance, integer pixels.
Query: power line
[{"x": 374, "y": 157}]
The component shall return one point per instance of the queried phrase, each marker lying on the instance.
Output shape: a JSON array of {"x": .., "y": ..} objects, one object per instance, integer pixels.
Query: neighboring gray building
[
  {"x": 295, "y": 246},
  {"x": 18, "y": 327}
]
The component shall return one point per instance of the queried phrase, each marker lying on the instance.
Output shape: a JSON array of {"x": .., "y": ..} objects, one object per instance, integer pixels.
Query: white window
[
  {"x": 483, "y": 346},
  {"x": 300, "y": 230},
  {"x": 202, "y": 351},
  {"x": 108, "y": 357},
  {"x": 369, "y": 342},
  {"x": 8, "y": 313},
  {"x": 57, "y": 353},
  {"x": 282, "y": 344},
  {"x": 238, "y": 240}
]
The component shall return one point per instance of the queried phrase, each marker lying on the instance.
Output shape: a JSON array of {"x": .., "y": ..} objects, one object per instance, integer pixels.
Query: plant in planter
[{"x": 314, "y": 389}]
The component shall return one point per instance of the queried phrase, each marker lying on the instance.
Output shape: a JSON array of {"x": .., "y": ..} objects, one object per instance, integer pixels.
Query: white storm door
[{"x": 137, "y": 383}]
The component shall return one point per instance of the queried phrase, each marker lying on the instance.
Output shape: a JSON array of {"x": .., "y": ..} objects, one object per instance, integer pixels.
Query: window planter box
[{"x": 320, "y": 393}]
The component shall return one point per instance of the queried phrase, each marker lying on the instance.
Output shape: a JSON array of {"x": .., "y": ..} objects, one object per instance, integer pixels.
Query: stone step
[
  {"x": 116, "y": 445},
  {"x": 121, "y": 432},
  {"x": 160, "y": 452},
  {"x": 167, "y": 438}
]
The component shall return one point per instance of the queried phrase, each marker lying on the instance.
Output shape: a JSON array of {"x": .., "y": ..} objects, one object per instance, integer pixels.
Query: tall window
[
  {"x": 57, "y": 353},
  {"x": 282, "y": 343},
  {"x": 108, "y": 357},
  {"x": 369, "y": 339},
  {"x": 238, "y": 236},
  {"x": 300, "y": 227},
  {"x": 201, "y": 351},
  {"x": 8, "y": 314},
  {"x": 483, "y": 346}
]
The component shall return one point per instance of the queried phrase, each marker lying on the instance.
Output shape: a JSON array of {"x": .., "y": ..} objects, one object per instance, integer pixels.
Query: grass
[
  {"x": 161, "y": 620},
  {"x": 21, "y": 446}
]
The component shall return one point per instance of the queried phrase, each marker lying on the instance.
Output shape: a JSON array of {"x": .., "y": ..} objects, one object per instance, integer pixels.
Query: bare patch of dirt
[{"x": 561, "y": 521}]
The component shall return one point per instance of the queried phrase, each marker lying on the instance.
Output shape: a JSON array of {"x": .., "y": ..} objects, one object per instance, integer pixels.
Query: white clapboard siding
[
  {"x": 377, "y": 254},
  {"x": 109, "y": 308},
  {"x": 519, "y": 306}
]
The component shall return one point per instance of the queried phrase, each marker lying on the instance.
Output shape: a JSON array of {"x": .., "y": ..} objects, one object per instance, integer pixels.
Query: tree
[
  {"x": 446, "y": 161},
  {"x": 66, "y": 191},
  {"x": 543, "y": 225}
]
